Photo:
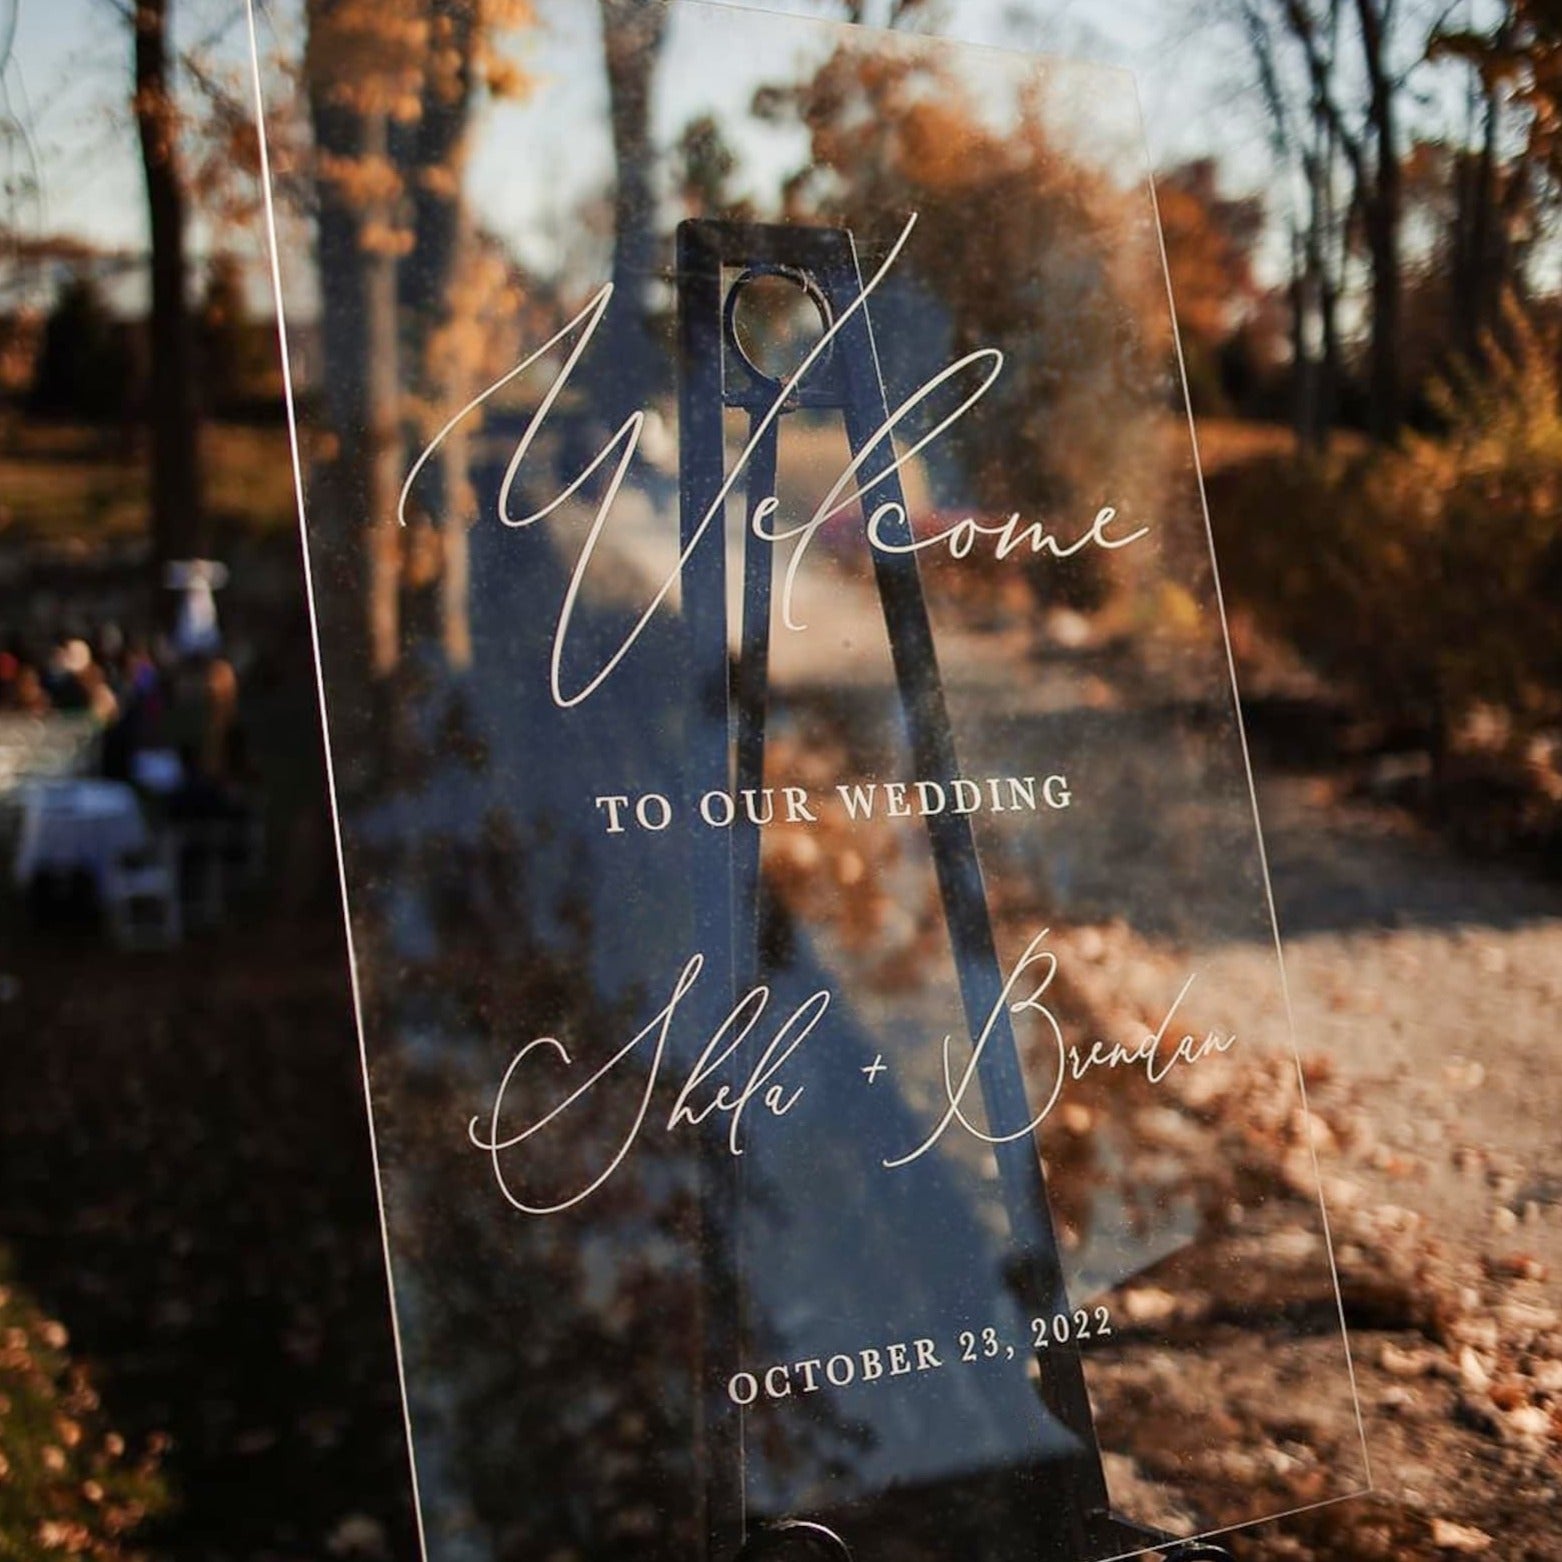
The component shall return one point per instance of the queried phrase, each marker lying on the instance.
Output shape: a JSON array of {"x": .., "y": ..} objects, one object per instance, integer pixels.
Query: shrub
[
  {"x": 85, "y": 368},
  {"x": 68, "y": 1486},
  {"x": 1424, "y": 576}
]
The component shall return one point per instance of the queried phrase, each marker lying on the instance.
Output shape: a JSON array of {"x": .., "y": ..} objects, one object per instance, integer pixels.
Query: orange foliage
[
  {"x": 1209, "y": 252},
  {"x": 404, "y": 58},
  {"x": 1020, "y": 246}
]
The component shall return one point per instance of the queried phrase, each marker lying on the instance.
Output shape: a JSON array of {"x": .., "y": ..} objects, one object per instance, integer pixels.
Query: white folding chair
[{"x": 141, "y": 900}]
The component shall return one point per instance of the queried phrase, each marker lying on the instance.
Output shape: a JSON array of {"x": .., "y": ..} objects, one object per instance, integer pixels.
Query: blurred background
[{"x": 1359, "y": 203}]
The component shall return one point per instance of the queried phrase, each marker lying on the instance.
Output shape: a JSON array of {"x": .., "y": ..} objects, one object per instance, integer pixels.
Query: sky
[
  {"x": 1185, "y": 87},
  {"x": 67, "y": 86},
  {"x": 67, "y": 83}
]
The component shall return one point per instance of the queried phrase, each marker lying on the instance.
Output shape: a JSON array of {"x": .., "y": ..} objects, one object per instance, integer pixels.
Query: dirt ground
[
  {"x": 184, "y": 1147},
  {"x": 173, "y": 1165},
  {"x": 1426, "y": 988}
]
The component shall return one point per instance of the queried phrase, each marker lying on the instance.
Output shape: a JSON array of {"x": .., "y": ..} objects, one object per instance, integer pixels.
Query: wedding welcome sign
[{"x": 821, "y": 1013}]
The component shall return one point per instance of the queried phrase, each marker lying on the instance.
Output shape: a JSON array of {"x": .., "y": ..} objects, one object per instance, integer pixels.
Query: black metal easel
[{"x": 716, "y": 260}]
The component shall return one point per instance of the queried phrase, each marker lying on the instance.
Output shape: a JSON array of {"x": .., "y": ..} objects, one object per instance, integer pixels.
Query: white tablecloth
[
  {"x": 158, "y": 770},
  {"x": 36, "y": 748},
  {"x": 77, "y": 824}
]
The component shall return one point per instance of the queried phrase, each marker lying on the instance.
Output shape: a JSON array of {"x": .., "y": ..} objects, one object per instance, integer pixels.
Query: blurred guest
[
  {"x": 31, "y": 698},
  {"x": 68, "y": 661},
  {"x": 100, "y": 701},
  {"x": 10, "y": 672}
]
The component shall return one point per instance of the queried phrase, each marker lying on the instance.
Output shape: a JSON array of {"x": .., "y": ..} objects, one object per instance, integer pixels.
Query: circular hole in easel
[
  {"x": 794, "y": 1540},
  {"x": 775, "y": 320}
]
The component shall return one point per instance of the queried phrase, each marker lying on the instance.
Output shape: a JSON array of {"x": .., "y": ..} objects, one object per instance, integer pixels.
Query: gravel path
[
  {"x": 1433, "y": 983},
  {"x": 1426, "y": 988}
]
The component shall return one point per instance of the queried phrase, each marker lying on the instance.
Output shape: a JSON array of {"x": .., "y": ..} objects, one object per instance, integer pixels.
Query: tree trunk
[
  {"x": 358, "y": 544},
  {"x": 1331, "y": 252},
  {"x": 1485, "y": 240},
  {"x": 631, "y": 42},
  {"x": 430, "y": 278},
  {"x": 1305, "y": 411},
  {"x": 1322, "y": 293},
  {"x": 382, "y": 454},
  {"x": 1382, "y": 204},
  {"x": 1329, "y": 361},
  {"x": 173, "y": 412},
  {"x": 1381, "y": 212}
]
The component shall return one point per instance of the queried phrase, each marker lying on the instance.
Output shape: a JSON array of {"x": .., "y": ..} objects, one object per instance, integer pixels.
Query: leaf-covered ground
[{"x": 187, "y": 1182}]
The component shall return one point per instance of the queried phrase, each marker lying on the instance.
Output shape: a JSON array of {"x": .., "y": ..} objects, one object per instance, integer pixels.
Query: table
[
  {"x": 77, "y": 824},
  {"x": 41, "y": 747}
]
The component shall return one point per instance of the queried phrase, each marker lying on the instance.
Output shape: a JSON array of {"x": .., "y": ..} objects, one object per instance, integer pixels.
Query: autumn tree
[
  {"x": 1305, "y": 140},
  {"x": 1520, "y": 55},
  {"x": 84, "y": 367},
  {"x": 1474, "y": 216},
  {"x": 391, "y": 89},
  {"x": 1502, "y": 181},
  {"x": 632, "y": 36},
  {"x": 222, "y": 331},
  {"x": 1210, "y": 239},
  {"x": 706, "y": 164},
  {"x": 1013, "y": 250},
  {"x": 1334, "y": 76},
  {"x": 21, "y": 188},
  {"x": 173, "y": 411},
  {"x": 1374, "y": 154}
]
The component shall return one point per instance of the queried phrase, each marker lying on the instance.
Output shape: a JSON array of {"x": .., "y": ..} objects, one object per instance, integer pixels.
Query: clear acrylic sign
[{"x": 791, "y": 800}]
